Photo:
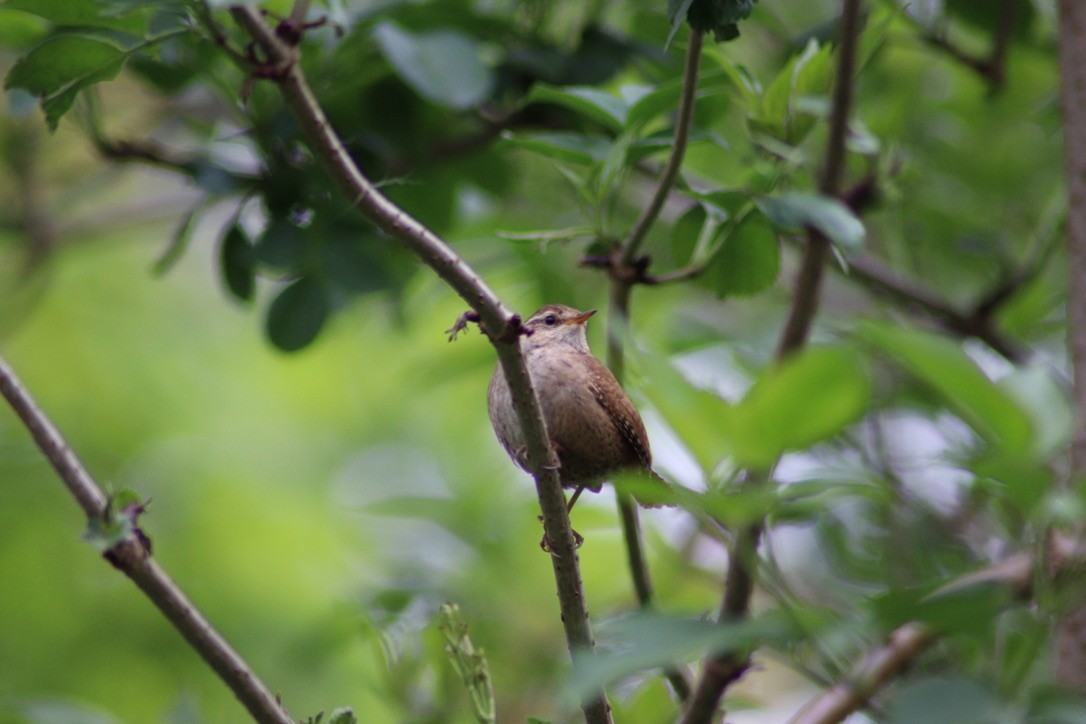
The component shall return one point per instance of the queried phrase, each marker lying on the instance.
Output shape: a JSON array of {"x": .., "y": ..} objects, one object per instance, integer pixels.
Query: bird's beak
[{"x": 581, "y": 318}]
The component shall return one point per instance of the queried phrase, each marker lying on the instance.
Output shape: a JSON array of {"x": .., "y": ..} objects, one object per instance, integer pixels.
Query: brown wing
[{"x": 612, "y": 398}]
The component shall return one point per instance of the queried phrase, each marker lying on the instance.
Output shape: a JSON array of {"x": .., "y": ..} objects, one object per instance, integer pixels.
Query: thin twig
[
  {"x": 134, "y": 560},
  {"x": 625, "y": 271},
  {"x": 632, "y": 245},
  {"x": 721, "y": 670},
  {"x": 978, "y": 324},
  {"x": 904, "y": 645},
  {"x": 879, "y": 666},
  {"x": 502, "y": 326}
]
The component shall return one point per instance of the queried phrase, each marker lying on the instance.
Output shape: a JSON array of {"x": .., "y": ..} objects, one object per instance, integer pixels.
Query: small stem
[
  {"x": 720, "y": 671},
  {"x": 683, "y": 121},
  {"x": 134, "y": 561}
]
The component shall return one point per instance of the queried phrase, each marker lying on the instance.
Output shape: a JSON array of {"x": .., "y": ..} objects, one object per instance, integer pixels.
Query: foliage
[{"x": 323, "y": 504}]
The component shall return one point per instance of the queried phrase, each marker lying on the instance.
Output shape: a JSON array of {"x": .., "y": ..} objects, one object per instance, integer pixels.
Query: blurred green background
[{"x": 319, "y": 506}]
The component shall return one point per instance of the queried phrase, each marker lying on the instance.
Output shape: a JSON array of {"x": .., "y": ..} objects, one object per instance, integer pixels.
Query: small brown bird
[{"x": 594, "y": 428}]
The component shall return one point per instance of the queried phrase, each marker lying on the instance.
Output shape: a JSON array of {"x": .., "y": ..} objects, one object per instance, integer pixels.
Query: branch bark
[
  {"x": 132, "y": 558},
  {"x": 1071, "y": 633},
  {"x": 719, "y": 671},
  {"x": 501, "y": 326}
]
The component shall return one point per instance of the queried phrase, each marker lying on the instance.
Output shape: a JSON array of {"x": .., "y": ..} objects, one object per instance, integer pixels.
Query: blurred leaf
[
  {"x": 785, "y": 112},
  {"x": 594, "y": 104},
  {"x": 281, "y": 246},
  {"x": 572, "y": 147},
  {"x": 63, "y": 65},
  {"x": 696, "y": 415},
  {"x": 546, "y": 236},
  {"x": 796, "y": 211},
  {"x": 297, "y": 315},
  {"x": 442, "y": 66},
  {"x": 648, "y": 640},
  {"x": 809, "y": 499},
  {"x": 89, "y": 13},
  {"x": 179, "y": 241},
  {"x": 948, "y": 700},
  {"x": 748, "y": 261},
  {"x": 236, "y": 261},
  {"x": 942, "y": 365},
  {"x": 808, "y": 398},
  {"x": 1046, "y": 404},
  {"x": 614, "y": 165},
  {"x": 652, "y": 102},
  {"x": 720, "y": 17},
  {"x": 986, "y": 17},
  {"x": 342, "y": 715}
]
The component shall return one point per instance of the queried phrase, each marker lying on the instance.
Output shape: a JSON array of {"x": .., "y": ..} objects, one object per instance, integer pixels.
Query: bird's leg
[
  {"x": 573, "y": 498},
  {"x": 578, "y": 539}
]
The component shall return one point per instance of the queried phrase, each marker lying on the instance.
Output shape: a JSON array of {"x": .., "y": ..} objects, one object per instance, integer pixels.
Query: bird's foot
[{"x": 545, "y": 544}]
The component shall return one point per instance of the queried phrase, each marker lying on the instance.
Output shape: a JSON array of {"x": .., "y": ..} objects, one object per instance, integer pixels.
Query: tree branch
[
  {"x": 721, "y": 670},
  {"x": 1071, "y": 633},
  {"x": 500, "y": 325},
  {"x": 683, "y": 119},
  {"x": 976, "y": 324},
  {"x": 132, "y": 557},
  {"x": 903, "y": 645},
  {"x": 871, "y": 674},
  {"x": 625, "y": 270}
]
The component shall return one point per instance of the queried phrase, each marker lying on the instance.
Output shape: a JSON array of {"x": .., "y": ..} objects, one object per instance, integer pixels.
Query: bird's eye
[{"x": 549, "y": 320}]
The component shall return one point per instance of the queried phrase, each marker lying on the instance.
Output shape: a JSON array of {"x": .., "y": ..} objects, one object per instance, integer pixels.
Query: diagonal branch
[
  {"x": 132, "y": 557},
  {"x": 501, "y": 326}
]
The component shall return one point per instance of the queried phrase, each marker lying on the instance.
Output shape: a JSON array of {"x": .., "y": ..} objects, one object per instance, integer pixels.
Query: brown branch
[
  {"x": 132, "y": 557},
  {"x": 992, "y": 67},
  {"x": 1071, "y": 633},
  {"x": 904, "y": 645},
  {"x": 721, "y": 670},
  {"x": 871, "y": 674},
  {"x": 632, "y": 245},
  {"x": 500, "y": 325},
  {"x": 978, "y": 323},
  {"x": 625, "y": 269}
]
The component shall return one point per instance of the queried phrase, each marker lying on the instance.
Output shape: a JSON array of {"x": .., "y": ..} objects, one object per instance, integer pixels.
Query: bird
[{"x": 593, "y": 427}]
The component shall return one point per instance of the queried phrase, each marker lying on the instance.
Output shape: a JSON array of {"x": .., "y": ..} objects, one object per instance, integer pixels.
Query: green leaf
[
  {"x": 649, "y": 640},
  {"x": 948, "y": 700},
  {"x": 443, "y": 66},
  {"x": 601, "y": 107},
  {"x": 720, "y": 17},
  {"x": 795, "y": 211},
  {"x": 63, "y": 65},
  {"x": 236, "y": 261},
  {"x": 282, "y": 246},
  {"x": 180, "y": 240},
  {"x": 571, "y": 147},
  {"x": 785, "y": 112},
  {"x": 89, "y": 13},
  {"x": 806, "y": 399},
  {"x": 942, "y": 365},
  {"x": 748, "y": 261},
  {"x": 296, "y": 316}
]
